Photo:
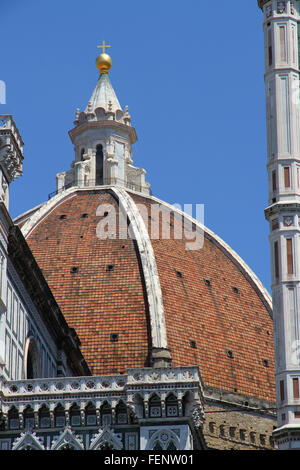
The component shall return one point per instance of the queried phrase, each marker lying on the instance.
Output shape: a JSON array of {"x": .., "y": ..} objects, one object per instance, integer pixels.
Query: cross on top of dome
[
  {"x": 103, "y": 47},
  {"x": 103, "y": 60}
]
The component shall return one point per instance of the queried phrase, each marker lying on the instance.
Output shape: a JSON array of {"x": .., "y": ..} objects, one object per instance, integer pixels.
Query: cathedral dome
[
  {"x": 142, "y": 283},
  {"x": 130, "y": 298}
]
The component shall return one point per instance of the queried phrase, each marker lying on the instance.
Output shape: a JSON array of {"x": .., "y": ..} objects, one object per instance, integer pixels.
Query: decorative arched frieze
[
  {"x": 90, "y": 413},
  {"x": 135, "y": 403},
  {"x": 44, "y": 416},
  {"x": 171, "y": 404},
  {"x": 106, "y": 412},
  {"x": 155, "y": 406},
  {"x": 121, "y": 413}
]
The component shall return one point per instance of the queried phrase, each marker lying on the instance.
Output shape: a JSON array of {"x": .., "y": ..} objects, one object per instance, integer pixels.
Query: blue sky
[{"x": 192, "y": 75}]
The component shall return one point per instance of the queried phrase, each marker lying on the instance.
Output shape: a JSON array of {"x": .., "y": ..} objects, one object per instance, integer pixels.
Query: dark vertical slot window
[
  {"x": 281, "y": 390},
  {"x": 270, "y": 48},
  {"x": 289, "y": 252},
  {"x": 287, "y": 179},
  {"x": 99, "y": 165},
  {"x": 276, "y": 260},
  {"x": 274, "y": 181},
  {"x": 296, "y": 388},
  {"x": 29, "y": 374}
]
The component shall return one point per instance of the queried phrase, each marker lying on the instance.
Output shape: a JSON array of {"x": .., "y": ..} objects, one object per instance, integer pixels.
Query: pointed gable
[
  {"x": 67, "y": 440},
  {"x": 106, "y": 439},
  {"x": 28, "y": 441}
]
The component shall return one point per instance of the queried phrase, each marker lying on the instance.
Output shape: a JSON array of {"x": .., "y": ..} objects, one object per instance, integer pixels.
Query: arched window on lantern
[{"x": 99, "y": 165}]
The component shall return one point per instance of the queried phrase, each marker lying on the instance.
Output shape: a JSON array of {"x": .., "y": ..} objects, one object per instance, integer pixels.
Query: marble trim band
[
  {"x": 102, "y": 384},
  {"x": 153, "y": 288}
]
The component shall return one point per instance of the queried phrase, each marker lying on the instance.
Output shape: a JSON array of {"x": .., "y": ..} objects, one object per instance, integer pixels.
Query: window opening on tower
[{"x": 99, "y": 165}]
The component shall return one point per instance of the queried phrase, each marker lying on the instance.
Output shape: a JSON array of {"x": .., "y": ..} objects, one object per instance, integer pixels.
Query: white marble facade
[
  {"x": 281, "y": 32},
  {"x": 160, "y": 409}
]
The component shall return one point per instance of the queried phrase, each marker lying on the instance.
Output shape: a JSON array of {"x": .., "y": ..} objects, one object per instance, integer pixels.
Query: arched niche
[{"x": 32, "y": 363}]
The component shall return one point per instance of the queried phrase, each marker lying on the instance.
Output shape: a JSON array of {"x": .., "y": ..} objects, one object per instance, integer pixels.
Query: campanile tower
[{"x": 281, "y": 36}]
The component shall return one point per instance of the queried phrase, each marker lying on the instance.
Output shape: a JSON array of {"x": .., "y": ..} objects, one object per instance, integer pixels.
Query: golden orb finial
[{"x": 103, "y": 60}]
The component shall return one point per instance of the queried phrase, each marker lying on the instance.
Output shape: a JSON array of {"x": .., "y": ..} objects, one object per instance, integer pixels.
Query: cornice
[
  {"x": 285, "y": 70},
  {"x": 103, "y": 124},
  {"x": 14, "y": 126},
  {"x": 280, "y": 207},
  {"x": 239, "y": 401}
]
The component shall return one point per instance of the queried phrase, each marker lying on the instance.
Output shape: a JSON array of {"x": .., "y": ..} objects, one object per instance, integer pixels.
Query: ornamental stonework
[
  {"x": 269, "y": 11},
  {"x": 281, "y": 7},
  {"x": 288, "y": 221},
  {"x": 292, "y": 8}
]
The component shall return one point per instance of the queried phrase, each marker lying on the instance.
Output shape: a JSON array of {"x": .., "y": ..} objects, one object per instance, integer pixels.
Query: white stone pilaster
[{"x": 281, "y": 23}]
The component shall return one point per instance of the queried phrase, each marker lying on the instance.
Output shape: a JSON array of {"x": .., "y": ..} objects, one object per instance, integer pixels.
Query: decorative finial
[
  {"x": 77, "y": 116},
  {"x": 126, "y": 116},
  {"x": 89, "y": 107},
  {"x": 103, "y": 60}
]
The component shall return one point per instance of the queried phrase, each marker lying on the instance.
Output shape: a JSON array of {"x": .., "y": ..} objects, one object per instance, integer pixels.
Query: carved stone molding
[
  {"x": 67, "y": 440},
  {"x": 11, "y": 148},
  {"x": 106, "y": 438},
  {"x": 28, "y": 440}
]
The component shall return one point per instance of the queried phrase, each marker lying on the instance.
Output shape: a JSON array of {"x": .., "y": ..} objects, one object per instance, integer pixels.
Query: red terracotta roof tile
[{"x": 97, "y": 302}]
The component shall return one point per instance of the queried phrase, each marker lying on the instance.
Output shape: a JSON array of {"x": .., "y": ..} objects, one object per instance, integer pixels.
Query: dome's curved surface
[{"x": 215, "y": 312}]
